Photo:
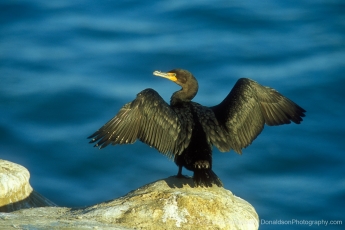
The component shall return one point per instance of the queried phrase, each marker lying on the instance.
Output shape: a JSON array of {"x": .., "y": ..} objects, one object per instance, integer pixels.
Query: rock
[
  {"x": 50, "y": 218},
  {"x": 15, "y": 190},
  {"x": 175, "y": 203},
  {"x": 171, "y": 203}
]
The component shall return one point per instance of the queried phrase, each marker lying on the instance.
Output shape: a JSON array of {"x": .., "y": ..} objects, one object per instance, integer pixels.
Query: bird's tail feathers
[{"x": 205, "y": 177}]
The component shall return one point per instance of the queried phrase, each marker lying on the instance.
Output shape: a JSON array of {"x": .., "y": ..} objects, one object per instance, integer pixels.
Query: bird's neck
[{"x": 186, "y": 94}]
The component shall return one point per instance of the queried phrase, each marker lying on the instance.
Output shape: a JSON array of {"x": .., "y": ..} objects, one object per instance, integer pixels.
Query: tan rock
[
  {"x": 171, "y": 203},
  {"x": 15, "y": 191},
  {"x": 175, "y": 203}
]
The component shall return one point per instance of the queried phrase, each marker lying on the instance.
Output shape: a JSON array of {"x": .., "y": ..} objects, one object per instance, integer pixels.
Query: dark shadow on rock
[
  {"x": 33, "y": 200},
  {"x": 179, "y": 182}
]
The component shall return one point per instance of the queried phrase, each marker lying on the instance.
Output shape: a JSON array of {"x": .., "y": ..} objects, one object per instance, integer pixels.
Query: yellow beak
[{"x": 170, "y": 76}]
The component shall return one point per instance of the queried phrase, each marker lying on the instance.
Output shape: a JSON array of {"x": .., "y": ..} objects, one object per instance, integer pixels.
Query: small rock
[{"x": 15, "y": 191}]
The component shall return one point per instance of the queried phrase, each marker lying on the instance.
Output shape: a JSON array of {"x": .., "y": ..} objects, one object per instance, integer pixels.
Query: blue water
[{"x": 66, "y": 68}]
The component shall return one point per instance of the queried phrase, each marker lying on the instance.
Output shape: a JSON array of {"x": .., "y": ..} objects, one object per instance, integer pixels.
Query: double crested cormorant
[{"x": 186, "y": 130}]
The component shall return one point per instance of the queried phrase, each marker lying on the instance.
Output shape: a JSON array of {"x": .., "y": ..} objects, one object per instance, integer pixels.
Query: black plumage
[{"x": 186, "y": 130}]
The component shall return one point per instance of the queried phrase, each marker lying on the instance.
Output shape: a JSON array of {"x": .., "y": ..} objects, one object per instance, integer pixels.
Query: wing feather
[
  {"x": 248, "y": 107},
  {"x": 147, "y": 118}
]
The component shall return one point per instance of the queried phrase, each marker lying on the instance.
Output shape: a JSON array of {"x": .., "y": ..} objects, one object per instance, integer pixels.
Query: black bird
[{"x": 186, "y": 130}]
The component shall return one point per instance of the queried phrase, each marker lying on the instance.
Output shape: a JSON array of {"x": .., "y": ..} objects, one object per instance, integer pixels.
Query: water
[{"x": 66, "y": 68}]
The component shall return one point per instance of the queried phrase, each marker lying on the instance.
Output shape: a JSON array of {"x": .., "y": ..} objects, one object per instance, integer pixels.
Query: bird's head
[
  {"x": 179, "y": 76},
  {"x": 183, "y": 78}
]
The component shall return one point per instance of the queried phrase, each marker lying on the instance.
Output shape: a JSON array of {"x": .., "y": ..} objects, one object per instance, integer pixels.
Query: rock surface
[
  {"x": 171, "y": 203},
  {"x": 175, "y": 203},
  {"x": 15, "y": 190}
]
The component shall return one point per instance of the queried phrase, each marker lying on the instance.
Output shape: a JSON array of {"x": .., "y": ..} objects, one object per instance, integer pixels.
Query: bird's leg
[{"x": 179, "y": 173}]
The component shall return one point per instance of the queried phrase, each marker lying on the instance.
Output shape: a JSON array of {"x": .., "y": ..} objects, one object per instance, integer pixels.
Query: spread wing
[
  {"x": 248, "y": 107},
  {"x": 147, "y": 118}
]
